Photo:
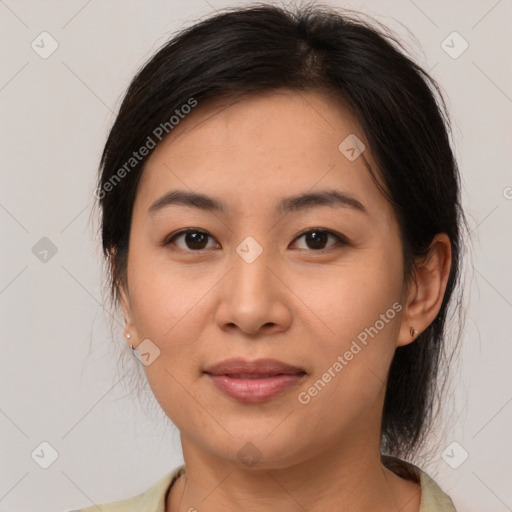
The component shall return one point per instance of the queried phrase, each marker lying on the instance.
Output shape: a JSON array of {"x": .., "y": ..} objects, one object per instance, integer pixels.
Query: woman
[{"x": 281, "y": 219}]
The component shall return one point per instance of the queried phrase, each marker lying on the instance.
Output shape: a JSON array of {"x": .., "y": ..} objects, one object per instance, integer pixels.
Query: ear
[
  {"x": 426, "y": 291},
  {"x": 123, "y": 294},
  {"x": 126, "y": 306}
]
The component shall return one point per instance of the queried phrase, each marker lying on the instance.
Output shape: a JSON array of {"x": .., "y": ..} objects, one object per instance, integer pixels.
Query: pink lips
[{"x": 254, "y": 381}]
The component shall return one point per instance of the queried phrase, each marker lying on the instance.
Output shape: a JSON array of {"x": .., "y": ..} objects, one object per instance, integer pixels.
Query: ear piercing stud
[{"x": 128, "y": 336}]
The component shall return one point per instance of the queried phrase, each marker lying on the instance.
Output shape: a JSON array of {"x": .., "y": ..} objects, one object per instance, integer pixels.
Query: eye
[
  {"x": 194, "y": 239},
  {"x": 317, "y": 238},
  {"x": 197, "y": 240}
]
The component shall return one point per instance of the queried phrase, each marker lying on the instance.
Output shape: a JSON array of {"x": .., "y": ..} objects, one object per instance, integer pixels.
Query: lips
[
  {"x": 254, "y": 381},
  {"x": 260, "y": 367}
]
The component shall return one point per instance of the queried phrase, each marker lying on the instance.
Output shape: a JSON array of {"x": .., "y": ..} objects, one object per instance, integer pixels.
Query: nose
[{"x": 253, "y": 298}]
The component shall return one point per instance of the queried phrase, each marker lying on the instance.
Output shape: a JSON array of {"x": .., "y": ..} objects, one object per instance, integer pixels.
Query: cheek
[
  {"x": 360, "y": 310},
  {"x": 170, "y": 307},
  {"x": 166, "y": 306},
  {"x": 162, "y": 294},
  {"x": 350, "y": 375},
  {"x": 353, "y": 295}
]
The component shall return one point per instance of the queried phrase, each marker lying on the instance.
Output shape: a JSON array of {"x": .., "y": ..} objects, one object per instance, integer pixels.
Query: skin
[{"x": 295, "y": 303}]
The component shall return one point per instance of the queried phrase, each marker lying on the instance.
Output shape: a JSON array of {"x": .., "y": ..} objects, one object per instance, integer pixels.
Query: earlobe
[
  {"x": 123, "y": 295},
  {"x": 426, "y": 292},
  {"x": 129, "y": 329}
]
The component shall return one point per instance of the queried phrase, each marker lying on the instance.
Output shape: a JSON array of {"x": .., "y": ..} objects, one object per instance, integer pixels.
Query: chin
[{"x": 257, "y": 446}]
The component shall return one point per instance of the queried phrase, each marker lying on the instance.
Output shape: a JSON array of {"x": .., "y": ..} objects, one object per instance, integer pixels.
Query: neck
[{"x": 340, "y": 479}]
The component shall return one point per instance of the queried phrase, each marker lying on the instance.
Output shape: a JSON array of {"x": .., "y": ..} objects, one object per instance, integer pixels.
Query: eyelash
[{"x": 340, "y": 238}]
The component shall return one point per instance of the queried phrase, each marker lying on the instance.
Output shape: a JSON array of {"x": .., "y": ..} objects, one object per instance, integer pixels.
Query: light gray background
[{"x": 59, "y": 368}]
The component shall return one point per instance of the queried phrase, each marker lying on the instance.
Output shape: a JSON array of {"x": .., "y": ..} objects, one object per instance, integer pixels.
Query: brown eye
[
  {"x": 194, "y": 240},
  {"x": 316, "y": 239}
]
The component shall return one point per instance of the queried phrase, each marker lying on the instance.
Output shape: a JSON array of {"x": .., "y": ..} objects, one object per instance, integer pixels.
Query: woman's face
[{"x": 316, "y": 285}]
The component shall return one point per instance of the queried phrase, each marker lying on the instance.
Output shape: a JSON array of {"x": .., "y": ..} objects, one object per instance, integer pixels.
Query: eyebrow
[{"x": 331, "y": 198}]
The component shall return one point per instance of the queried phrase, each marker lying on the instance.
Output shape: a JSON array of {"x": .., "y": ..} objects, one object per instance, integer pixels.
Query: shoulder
[
  {"x": 433, "y": 498},
  {"x": 152, "y": 500}
]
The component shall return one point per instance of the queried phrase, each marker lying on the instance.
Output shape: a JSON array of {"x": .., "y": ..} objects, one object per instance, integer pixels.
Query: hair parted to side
[{"x": 260, "y": 48}]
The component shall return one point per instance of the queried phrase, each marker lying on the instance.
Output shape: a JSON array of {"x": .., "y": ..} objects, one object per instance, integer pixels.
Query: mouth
[{"x": 254, "y": 381}]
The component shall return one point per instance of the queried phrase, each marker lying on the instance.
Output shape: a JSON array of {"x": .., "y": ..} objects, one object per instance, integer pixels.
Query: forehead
[
  {"x": 267, "y": 121},
  {"x": 261, "y": 147}
]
